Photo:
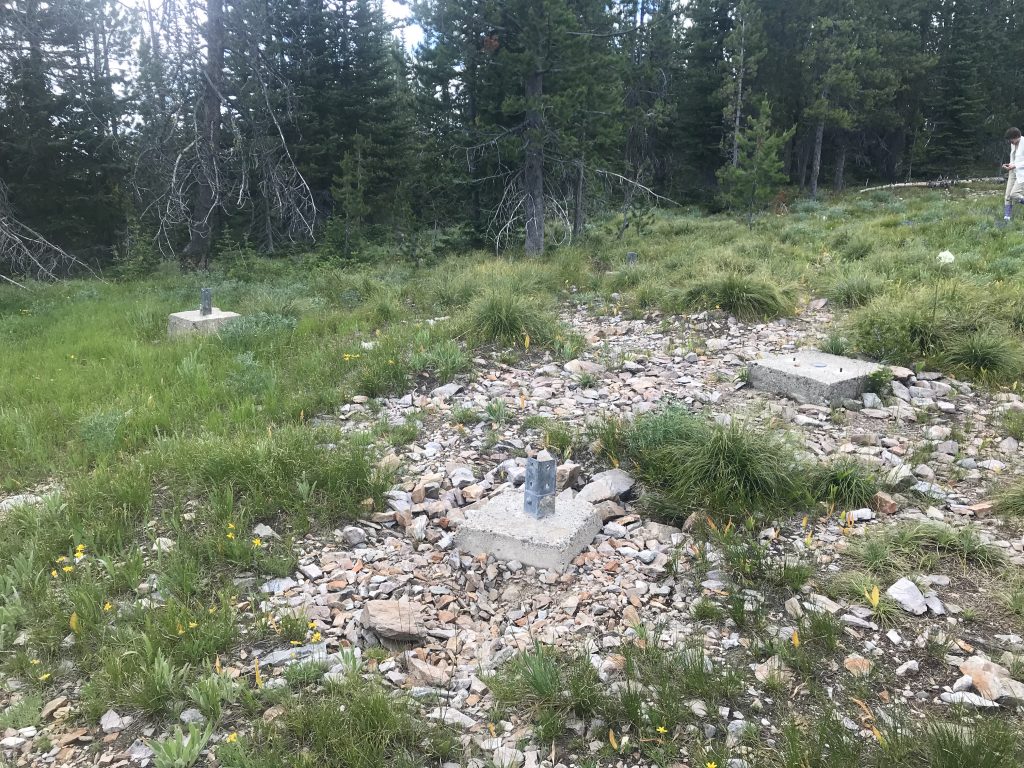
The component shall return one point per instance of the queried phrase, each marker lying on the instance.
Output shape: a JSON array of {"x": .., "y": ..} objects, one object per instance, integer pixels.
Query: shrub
[
  {"x": 1010, "y": 500},
  {"x": 747, "y": 298}
]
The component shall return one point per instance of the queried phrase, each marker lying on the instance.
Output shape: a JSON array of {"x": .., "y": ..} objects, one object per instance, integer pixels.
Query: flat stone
[
  {"x": 617, "y": 480},
  {"x": 21, "y": 500},
  {"x": 906, "y": 593},
  {"x": 857, "y": 665},
  {"x": 811, "y": 377},
  {"x": 394, "y": 619},
  {"x": 194, "y": 322},
  {"x": 111, "y": 722},
  {"x": 451, "y": 716},
  {"x": 501, "y": 528},
  {"x": 966, "y": 697}
]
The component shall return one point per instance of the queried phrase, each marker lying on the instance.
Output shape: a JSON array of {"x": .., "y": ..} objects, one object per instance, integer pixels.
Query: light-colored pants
[{"x": 1014, "y": 187}]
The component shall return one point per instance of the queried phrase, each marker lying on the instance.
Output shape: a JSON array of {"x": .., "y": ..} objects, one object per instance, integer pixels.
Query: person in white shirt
[{"x": 1015, "y": 179}]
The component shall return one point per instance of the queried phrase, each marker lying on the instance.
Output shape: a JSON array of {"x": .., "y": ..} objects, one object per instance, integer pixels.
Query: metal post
[
  {"x": 540, "y": 488},
  {"x": 205, "y": 301}
]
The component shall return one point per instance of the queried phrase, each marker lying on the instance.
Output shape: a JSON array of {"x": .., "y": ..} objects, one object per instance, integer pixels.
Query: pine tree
[{"x": 757, "y": 175}]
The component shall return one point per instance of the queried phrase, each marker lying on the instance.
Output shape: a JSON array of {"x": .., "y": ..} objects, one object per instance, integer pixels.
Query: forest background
[{"x": 193, "y": 128}]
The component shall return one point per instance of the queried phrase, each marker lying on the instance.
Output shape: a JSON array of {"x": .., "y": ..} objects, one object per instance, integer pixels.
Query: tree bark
[
  {"x": 839, "y": 182},
  {"x": 534, "y": 165},
  {"x": 204, "y": 215},
  {"x": 579, "y": 219},
  {"x": 739, "y": 97},
  {"x": 819, "y": 133}
]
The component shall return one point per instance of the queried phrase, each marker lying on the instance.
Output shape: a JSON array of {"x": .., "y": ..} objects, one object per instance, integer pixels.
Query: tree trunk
[
  {"x": 819, "y": 133},
  {"x": 579, "y": 213},
  {"x": 204, "y": 215},
  {"x": 534, "y": 166},
  {"x": 739, "y": 98},
  {"x": 839, "y": 182}
]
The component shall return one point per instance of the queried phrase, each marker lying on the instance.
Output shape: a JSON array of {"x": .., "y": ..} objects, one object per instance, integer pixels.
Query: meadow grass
[{"x": 201, "y": 439}]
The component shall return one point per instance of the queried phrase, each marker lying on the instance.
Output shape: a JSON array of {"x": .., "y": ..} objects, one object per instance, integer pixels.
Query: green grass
[
  {"x": 897, "y": 550},
  {"x": 845, "y": 483},
  {"x": 747, "y": 298},
  {"x": 1009, "y": 501},
  {"x": 356, "y": 723},
  {"x": 197, "y": 439}
]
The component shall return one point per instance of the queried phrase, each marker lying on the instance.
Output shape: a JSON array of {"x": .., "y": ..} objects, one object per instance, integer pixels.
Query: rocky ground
[{"x": 397, "y": 580}]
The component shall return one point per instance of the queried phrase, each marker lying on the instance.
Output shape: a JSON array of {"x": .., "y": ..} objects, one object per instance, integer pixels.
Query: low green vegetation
[
  {"x": 734, "y": 471},
  {"x": 924, "y": 547}
]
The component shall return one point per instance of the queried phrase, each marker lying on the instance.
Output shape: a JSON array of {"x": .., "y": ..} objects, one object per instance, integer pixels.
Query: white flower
[{"x": 946, "y": 258}]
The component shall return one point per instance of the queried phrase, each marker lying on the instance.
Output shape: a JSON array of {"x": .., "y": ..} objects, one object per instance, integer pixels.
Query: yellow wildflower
[
  {"x": 316, "y": 637},
  {"x": 231, "y": 738},
  {"x": 181, "y": 630},
  {"x": 295, "y": 642},
  {"x": 311, "y": 625},
  {"x": 231, "y": 536},
  {"x": 231, "y": 526},
  {"x": 68, "y": 568},
  {"x": 259, "y": 677},
  {"x": 662, "y": 729},
  {"x": 61, "y": 559},
  {"x": 107, "y": 606},
  {"x": 192, "y": 625},
  {"x": 711, "y": 764},
  {"x": 45, "y": 676},
  {"x": 34, "y": 662},
  {"x": 257, "y": 543},
  {"x": 54, "y": 573}
]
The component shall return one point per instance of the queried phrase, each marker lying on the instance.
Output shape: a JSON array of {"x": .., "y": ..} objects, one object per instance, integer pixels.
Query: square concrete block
[
  {"x": 809, "y": 376},
  {"x": 193, "y": 321},
  {"x": 501, "y": 528}
]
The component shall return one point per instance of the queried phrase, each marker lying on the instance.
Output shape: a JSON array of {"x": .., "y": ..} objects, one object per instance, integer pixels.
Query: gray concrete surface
[
  {"x": 194, "y": 322},
  {"x": 809, "y": 376},
  {"x": 501, "y": 528}
]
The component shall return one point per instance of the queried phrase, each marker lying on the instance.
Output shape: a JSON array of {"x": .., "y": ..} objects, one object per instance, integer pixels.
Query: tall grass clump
[
  {"x": 747, "y": 298},
  {"x": 1010, "y": 500},
  {"x": 854, "y": 289},
  {"x": 503, "y": 315},
  {"x": 688, "y": 464},
  {"x": 844, "y": 482},
  {"x": 986, "y": 354}
]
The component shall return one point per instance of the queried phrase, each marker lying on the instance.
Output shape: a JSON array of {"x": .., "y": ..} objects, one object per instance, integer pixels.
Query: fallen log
[{"x": 938, "y": 183}]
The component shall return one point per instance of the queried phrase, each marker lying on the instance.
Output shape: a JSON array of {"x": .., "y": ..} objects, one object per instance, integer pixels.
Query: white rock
[
  {"x": 111, "y": 722},
  {"x": 906, "y": 593},
  {"x": 907, "y": 667},
  {"x": 966, "y": 697}
]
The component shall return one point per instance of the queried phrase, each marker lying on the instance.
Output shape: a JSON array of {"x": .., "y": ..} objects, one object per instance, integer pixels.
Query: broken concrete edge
[{"x": 500, "y": 527}]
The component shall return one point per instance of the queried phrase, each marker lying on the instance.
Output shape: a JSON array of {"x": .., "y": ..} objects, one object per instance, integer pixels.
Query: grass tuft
[
  {"x": 844, "y": 483},
  {"x": 747, "y": 298}
]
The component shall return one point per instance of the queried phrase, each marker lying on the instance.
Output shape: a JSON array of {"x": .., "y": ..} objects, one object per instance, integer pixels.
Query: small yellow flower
[
  {"x": 192, "y": 625},
  {"x": 231, "y": 526},
  {"x": 711, "y": 764},
  {"x": 259, "y": 677},
  {"x": 295, "y": 642},
  {"x": 231, "y": 738},
  {"x": 45, "y": 676},
  {"x": 107, "y": 606},
  {"x": 661, "y": 729},
  {"x": 54, "y": 573},
  {"x": 61, "y": 559},
  {"x": 212, "y": 609},
  {"x": 34, "y": 662},
  {"x": 80, "y": 548},
  {"x": 257, "y": 543},
  {"x": 316, "y": 637},
  {"x": 795, "y": 639},
  {"x": 181, "y": 630},
  {"x": 231, "y": 536},
  {"x": 311, "y": 625},
  {"x": 68, "y": 568}
]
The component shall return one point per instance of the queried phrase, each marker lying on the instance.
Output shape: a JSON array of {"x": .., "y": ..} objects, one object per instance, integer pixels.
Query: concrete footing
[
  {"x": 194, "y": 322},
  {"x": 809, "y": 376},
  {"x": 501, "y": 528}
]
